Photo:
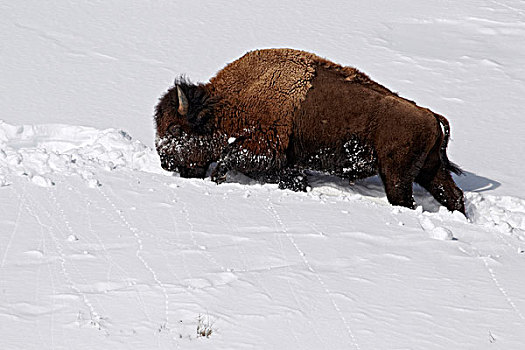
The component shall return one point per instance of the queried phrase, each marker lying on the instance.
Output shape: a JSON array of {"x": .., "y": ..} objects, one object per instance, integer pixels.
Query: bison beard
[{"x": 272, "y": 114}]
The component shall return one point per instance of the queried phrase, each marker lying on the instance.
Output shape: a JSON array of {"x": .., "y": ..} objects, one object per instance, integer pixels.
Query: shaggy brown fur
[{"x": 274, "y": 113}]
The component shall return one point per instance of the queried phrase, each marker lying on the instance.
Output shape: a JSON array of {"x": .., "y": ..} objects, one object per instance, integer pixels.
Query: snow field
[{"x": 112, "y": 250}]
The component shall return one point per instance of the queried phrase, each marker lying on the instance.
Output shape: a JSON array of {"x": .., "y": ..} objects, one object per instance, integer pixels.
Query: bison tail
[{"x": 443, "y": 149}]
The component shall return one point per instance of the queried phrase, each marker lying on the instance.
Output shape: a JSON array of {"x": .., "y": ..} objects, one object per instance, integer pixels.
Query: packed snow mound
[
  {"x": 503, "y": 213},
  {"x": 42, "y": 151}
]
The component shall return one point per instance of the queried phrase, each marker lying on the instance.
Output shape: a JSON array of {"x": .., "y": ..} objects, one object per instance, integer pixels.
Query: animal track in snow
[
  {"x": 284, "y": 229},
  {"x": 138, "y": 235},
  {"x": 32, "y": 208}
]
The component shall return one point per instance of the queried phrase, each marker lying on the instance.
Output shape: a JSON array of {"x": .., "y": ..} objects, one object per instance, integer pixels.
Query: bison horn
[{"x": 183, "y": 102}]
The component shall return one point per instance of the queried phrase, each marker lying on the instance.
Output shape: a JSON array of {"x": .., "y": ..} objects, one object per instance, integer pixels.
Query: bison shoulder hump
[{"x": 279, "y": 77}]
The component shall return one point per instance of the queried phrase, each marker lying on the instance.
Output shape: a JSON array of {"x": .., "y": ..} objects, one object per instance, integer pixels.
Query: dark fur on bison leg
[
  {"x": 442, "y": 187},
  {"x": 293, "y": 179},
  {"x": 225, "y": 163},
  {"x": 398, "y": 192},
  {"x": 287, "y": 179}
]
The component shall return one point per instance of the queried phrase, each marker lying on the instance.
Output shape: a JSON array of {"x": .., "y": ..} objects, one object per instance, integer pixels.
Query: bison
[{"x": 274, "y": 114}]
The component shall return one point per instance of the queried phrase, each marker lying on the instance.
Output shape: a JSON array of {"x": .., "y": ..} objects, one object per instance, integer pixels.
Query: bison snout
[{"x": 167, "y": 163}]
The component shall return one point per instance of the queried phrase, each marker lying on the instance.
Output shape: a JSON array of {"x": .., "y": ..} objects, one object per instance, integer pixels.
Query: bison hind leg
[
  {"x": 398, "y": 191},
  {"x": 398, "y": 172},
  {"x": 441, "y": 186},
  {"x": 435, "y": 177}
]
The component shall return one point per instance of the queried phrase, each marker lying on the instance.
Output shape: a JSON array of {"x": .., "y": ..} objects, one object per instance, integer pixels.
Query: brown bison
[{"x": 272, "y": 114}]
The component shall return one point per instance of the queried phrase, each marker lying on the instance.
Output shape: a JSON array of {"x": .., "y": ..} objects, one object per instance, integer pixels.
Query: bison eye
[{"x": 175, "y": 130}]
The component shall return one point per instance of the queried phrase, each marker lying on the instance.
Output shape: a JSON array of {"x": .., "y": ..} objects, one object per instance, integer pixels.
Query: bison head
[{"x": 187, "y": 137}]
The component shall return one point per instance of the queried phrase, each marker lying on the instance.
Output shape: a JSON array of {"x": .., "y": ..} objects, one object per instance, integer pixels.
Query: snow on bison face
[
  {"x": 188, "y": 153},
  {"x": 186, "y": 140}
]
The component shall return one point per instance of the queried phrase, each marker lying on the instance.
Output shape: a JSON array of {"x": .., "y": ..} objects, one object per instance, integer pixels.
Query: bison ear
[{"x": 183, "y": 102}]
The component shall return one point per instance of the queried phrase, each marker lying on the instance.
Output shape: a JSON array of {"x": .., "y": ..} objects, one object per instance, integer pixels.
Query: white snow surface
[{"x": 102, "y": 249}]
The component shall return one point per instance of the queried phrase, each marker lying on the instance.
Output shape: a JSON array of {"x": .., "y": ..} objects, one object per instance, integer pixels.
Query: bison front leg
[
  {"x": 288, "y": 178},
  {"x": 231, "y": 158},
  {"x": 262, "y": 164},
  {"x": 218, "y": 175},
  {"x": 293, "y": 179}
]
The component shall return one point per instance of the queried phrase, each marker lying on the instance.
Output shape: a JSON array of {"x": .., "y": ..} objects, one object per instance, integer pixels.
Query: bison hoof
[
  {"x": 218, "y": 179},
  {"x": 218, "y": 175}
]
